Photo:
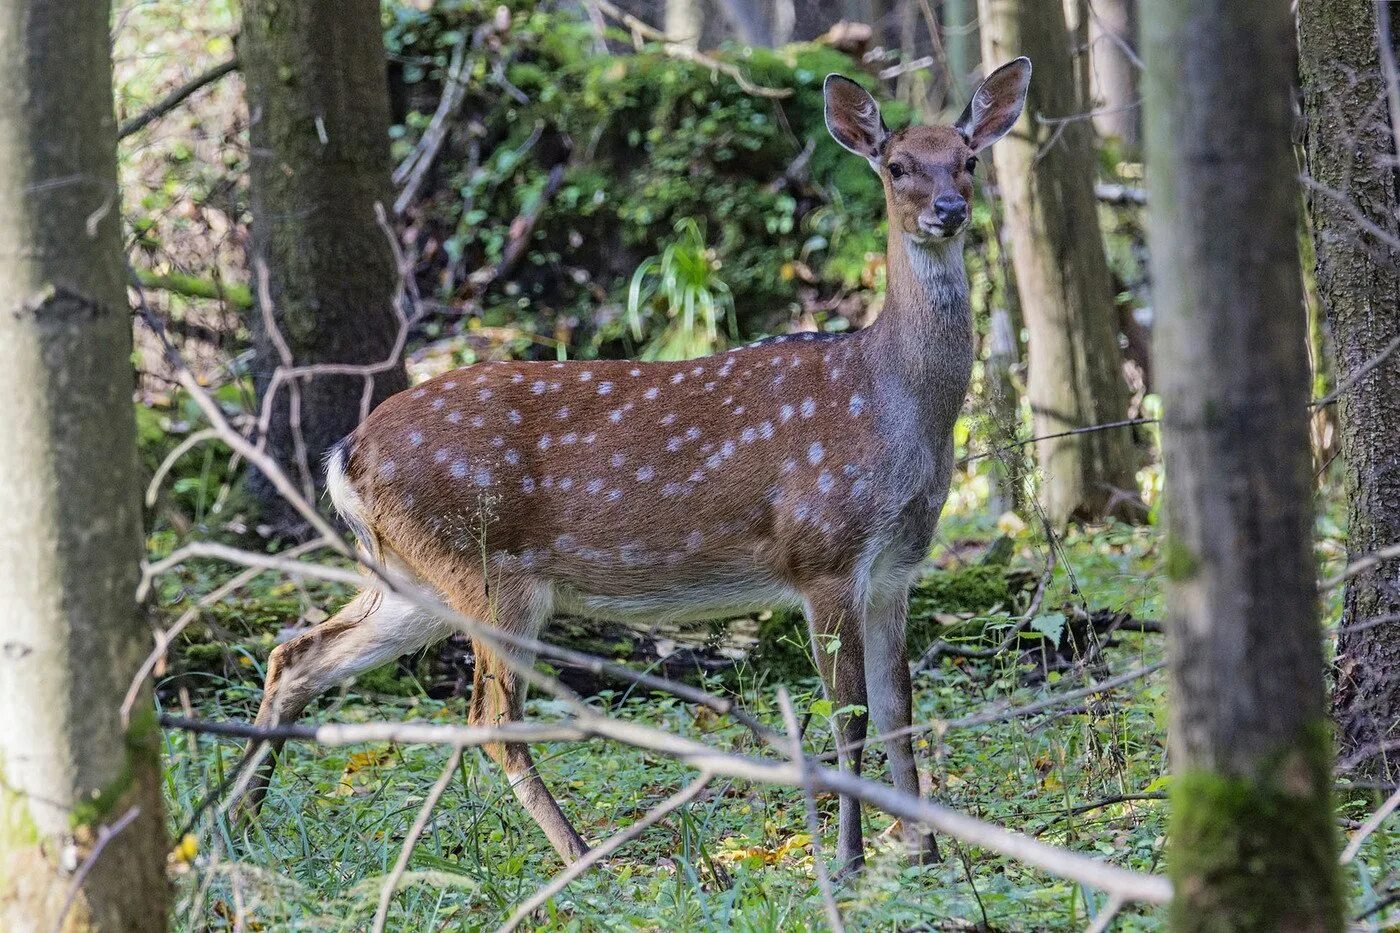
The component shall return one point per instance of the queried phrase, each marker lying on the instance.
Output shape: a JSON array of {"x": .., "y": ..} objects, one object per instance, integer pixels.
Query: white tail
[{"x": 802, "y": 470}]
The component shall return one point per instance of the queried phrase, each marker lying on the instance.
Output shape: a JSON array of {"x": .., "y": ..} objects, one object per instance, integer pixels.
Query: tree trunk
[
  {"x": 684, "y": 21},
  {"x": 1351, "y": 148},
  {"x": 320, "y": 164},
  {"x": 750, "y": 23},
  {"x": 1252, "y": 844},
  {"x": 1046, "y": 171},
  {"x": 70, "y": 520},
  {"x": 960, "y": 40},
  {"x": 1113, "y": 85}
]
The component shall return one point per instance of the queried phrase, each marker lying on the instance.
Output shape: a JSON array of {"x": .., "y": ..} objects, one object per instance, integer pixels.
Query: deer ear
[
  {"x": 853, "y": 118},
  {"x": 996, "y": 105}
]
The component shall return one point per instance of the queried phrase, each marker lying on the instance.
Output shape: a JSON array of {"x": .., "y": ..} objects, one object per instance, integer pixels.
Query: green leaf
[{"x": 1051, "y": 625}]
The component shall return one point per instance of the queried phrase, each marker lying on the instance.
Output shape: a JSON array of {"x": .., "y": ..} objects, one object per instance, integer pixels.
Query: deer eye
[
  {"x": 971, "y": 165},
  {"x": 896, "y": 170}
]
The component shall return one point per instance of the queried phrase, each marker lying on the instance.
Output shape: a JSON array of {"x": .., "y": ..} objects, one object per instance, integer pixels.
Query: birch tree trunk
[
  {"x": 1252, "y": 842},
  {"x": 319, "y": 102},
  {"x": 70, "y": 522},
  {"x": 1351, "y": 151},
  {"x": 1046, "y": 173}
]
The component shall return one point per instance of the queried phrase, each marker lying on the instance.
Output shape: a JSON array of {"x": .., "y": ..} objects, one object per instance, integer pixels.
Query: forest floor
[{"x": 1091, "y": 776}]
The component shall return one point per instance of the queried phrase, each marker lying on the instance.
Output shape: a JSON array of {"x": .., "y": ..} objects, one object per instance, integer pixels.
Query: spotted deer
[{"x": 805, "y": 470}]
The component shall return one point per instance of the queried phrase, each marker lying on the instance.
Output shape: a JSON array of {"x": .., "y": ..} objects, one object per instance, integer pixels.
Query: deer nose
[{"x": 950, "y": 209}]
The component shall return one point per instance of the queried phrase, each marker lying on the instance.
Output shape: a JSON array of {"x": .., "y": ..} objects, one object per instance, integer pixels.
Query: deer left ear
[
  {"x": 853, "y": 118},
  {"x": 996, "y": 105}
]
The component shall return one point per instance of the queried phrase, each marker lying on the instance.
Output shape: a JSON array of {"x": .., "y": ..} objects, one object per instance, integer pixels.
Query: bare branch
[{"x": 175, "y": 98}]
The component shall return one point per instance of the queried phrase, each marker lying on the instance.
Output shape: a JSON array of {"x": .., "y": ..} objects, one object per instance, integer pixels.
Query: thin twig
[
  {"x": 942, "y": 647},
  {"x": 590, "y": 858},
  {"x": 420, "y": 823},
  {"x": 105, "y": 835},
  {"x": 1373, "y": 822},
  {"x": 1063, "y": 863},
  {"x": 809, "y": 799}
]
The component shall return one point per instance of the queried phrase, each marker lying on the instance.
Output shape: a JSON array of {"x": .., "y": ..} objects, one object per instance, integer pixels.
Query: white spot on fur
[
  {"x": 645, "y": 474},
  {"x": 484, "y": 395},
  {"x": 809, "y": 407},
  {"x": 605, "y": 388},
  {"x": 544, "y": 442},
  {"x": 513, "y": 416},
  {"x": 651, "y": 393},
  {"x": 415, "y": 438},
  {"x": 512, "y": 457},
  {"x": 459, "y": 469},
  {"x": 594, "y": 487},
  {"x": 815, "y": 453},
  {"x": 785, "y": 414},
  {"x": 618, "y": 459}
]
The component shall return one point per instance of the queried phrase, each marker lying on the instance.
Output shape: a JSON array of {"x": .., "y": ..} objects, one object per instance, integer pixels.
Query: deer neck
[{"x": 921, "y": 346}]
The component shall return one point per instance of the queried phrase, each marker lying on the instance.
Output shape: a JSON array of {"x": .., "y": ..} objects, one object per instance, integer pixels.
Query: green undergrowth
[{"x": 739, "y": 858}]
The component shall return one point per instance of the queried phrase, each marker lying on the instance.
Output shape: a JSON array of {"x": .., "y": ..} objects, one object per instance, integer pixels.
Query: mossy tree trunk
[
  {"x": 1046, "y": 173},
  {"x": 319, "y": 105},
  {"x": 1252, "y": 842},
  {"x": 71, "y": 638},
  {"x": 1351, "y": 151}
]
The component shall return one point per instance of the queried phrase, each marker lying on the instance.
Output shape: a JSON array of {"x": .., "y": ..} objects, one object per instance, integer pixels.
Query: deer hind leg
[
  {"x": 372, "y": 629},
  {"x": 498, "y": 695},
  {"x": 887, "y": 673},
  {"x": 836, "y": 619}
]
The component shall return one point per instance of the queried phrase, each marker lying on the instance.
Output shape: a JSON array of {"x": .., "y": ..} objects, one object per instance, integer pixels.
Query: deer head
[{"x": 927, "y": 170}]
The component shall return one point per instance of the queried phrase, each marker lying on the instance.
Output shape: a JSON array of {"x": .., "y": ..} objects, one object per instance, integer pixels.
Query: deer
[{"x": 805, "y": 470}]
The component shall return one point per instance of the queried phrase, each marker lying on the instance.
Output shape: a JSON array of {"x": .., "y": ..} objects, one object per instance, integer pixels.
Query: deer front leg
[
  {"x": 836, "y": 620},
  {"x": 887, "y": 673},
  {"x": 498, "y": 696}
]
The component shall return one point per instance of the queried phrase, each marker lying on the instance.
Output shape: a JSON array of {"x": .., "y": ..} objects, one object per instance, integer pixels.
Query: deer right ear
[
  {"x": 853, "y": 118},
  {"x": 996, "y": 105}
]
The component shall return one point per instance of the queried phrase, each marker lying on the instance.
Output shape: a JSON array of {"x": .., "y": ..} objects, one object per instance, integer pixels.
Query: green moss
[
  {"x": 977, "y": 589},
  {"x": 784, "y": 650},
  {"x": 388, "y": 680},
  {"x": 1180, "y": 562},
  {"x": 17, "y": 828},
  {"x": 1257, "y": 853}
]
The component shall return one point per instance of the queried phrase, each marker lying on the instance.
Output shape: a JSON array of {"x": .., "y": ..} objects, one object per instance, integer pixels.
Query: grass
[{"x": 739, "y": 858}]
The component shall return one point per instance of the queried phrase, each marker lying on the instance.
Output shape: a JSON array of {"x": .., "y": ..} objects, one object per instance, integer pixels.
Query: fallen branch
[
  {"x": 1062, "y": 863},
  {"x": 175, "y": 98},
  {"x": 192, "y": 286},
  {"x": 412, "y": 170}
]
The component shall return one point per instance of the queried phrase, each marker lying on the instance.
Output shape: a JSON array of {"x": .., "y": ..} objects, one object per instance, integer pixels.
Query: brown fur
[{"x": 808, "y": 469}]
